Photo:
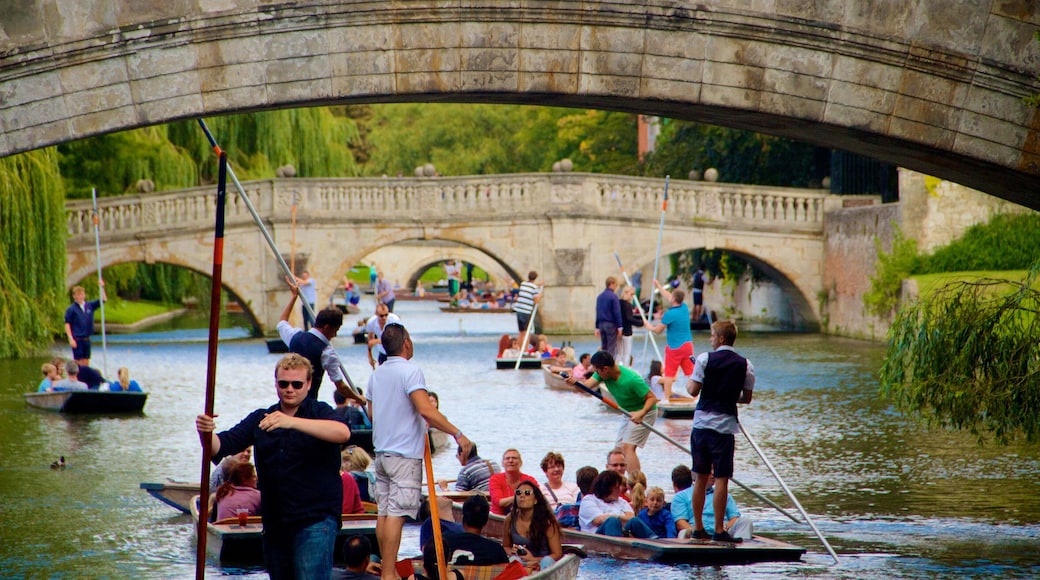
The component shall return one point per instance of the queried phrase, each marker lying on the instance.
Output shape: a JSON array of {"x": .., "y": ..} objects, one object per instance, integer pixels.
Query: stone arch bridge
[
  {"x": 930, "y": 85},
  {"x": 566, "y": 226}
]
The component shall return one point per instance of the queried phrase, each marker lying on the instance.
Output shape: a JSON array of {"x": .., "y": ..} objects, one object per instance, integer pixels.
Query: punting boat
[
  {"x": 176, "y": 494},
  {"x": 468, "y": 310},
  {"x": 555, "y": 381},
  {"x": 677, "y": 408},
  {"x": 277, "y": 346},
  {"x": 697, "y": 552},
  {"x": 565, "y": 569},
  {"x": 88, "y": 401},
  {"x": 360, "y": 336},
  {"x": 228, "y": 541},
  {"x": 527, "y": 362}
]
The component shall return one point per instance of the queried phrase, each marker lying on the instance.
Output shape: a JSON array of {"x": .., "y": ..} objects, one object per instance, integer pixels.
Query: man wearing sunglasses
[{"x": 296, "y": 446}]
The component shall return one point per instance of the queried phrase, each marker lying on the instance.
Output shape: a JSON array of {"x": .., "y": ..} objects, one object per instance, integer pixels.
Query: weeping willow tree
[
  {"x": 32, "y": 252},
  {"x": 968, "y": 358},
  {"x": 314, "y": 140}
]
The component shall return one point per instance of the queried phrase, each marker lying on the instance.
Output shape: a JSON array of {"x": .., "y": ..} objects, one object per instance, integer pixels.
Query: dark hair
[
  {"x": 583, "y": 356},
  {"x": 585, "y": 476},
  {"x": 655, "y": 369},
  {"x": 472, "y": 451},
  {"x": 339, "y": 397},
  {"x": 602, "y": 359},
  {"x": 682, "y": 477},
  {"x": 240, "y": 474},
  {"x": 605, "y": 483},
  {"x": 330, "y": 316},
  {"x": 356, "y": 550},
  {"x": 542, "y": 519},
  {"x": 532, "y": 275},
  {"x": 475, "y": 511},
  {"x": 393, "y": 339}
]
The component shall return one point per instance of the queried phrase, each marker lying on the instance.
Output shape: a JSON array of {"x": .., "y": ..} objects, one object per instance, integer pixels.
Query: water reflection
[{"x": 896, "y": 500}]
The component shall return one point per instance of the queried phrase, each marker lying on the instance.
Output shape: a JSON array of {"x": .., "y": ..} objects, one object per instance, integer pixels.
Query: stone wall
[{"x": 932, "y": 211}]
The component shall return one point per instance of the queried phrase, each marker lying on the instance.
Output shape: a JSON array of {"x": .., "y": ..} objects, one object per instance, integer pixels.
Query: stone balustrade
[{"x": 453, "y": 199}]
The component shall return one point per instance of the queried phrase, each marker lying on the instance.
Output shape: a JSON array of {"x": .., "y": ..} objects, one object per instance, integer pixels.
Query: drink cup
[{"x": 243, "y": 518}]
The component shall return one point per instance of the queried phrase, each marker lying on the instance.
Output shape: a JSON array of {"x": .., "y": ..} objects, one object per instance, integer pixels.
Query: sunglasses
[
  {"x": 521, "y": 492},
  {"x": 283, "y": 384}
]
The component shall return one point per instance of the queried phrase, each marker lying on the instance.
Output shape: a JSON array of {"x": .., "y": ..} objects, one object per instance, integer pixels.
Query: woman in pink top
[
  {"x": 503, "y": 485},
  {"x": 238, "y": 493}
]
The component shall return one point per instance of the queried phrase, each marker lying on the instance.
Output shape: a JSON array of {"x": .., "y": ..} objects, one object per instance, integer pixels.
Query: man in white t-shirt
[{"x": 400, "y": 409}]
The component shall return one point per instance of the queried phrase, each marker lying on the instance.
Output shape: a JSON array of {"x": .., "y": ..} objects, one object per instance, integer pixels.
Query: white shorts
[
  {"x": 634, "y": 434},
  {"x": 398, "y": 485}
]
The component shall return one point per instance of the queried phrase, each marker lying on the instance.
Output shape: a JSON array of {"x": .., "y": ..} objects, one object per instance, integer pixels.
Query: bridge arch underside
[
  {"x": 79, "y": 275},
  {"x": 941, "y": 96},
  {"x": 405, "y": 261}
]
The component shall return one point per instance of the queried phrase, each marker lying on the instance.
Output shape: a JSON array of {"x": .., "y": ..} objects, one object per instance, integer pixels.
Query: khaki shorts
[
  {"x": 398, "y": 485},
  {"x": 636, "y": 434}
]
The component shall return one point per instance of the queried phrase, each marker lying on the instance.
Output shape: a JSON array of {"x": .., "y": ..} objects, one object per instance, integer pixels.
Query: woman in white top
[
  {"x": 604, "y": 512},
  {"x": 555, "y": 489}
]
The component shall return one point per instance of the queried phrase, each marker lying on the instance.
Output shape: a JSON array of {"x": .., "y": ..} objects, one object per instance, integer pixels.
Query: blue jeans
[
  {"x": 305, "y": 555},
  {"x": 308, "y": 320},
  {"x": 636, "y": 526}
]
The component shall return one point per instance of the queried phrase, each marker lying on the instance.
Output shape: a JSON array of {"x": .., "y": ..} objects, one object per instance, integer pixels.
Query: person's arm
[
  {"x": 68, "y": 332},
  {"x": 204, "y": 424},
  {"x": 507, "y": 537},
  {"x": 501, "y": 495},
  {"x": 616, "y": 305},
  {"x": 649, "y": 400},
  {"x": 294, "y": 291},
  {"x": 749, "y": 385},
  {"x": 421, "y": 402},
  {"x": 324, "y": 429},
  {"x": 666, "y": 295}
]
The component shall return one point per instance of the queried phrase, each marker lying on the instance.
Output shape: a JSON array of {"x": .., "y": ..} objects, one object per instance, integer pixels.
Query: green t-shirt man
[{"x": 629, "y": 389}]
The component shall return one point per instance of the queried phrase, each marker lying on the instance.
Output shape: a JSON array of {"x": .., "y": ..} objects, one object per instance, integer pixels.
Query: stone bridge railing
[{"x": 455, "y": 199}]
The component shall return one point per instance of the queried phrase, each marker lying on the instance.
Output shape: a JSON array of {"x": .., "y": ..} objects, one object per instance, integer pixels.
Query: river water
[{"x": 894, "y": 499}]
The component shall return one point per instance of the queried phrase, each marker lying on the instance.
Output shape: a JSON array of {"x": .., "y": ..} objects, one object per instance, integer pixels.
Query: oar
[
  {"x": 657, "y": 254},
  {"x": 635, "y": 301},
  {"x": 101, "y": 281},
  {"x": 797, "y": 504},
  {"x": 267, "y": 235},
  {"x": 685, "y": 449},
  {"x": 527, "y": 335},
  {"x": 435, "y": 514},
  {"x": 211, "y": 365}
]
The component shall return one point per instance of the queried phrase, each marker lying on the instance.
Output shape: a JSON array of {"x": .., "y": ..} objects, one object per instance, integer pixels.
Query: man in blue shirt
[
  {"x": 79, "y": 323},
  {"x": 296, "y": 446},
  {"x": 608, "y": 317}
]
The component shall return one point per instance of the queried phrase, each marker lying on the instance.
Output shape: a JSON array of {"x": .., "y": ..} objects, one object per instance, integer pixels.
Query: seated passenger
[
  {"x": 656, "y": 515},
  {"x": 581, "y": 370},
  {"x": 554, "y": 488},
  {"x": 124, "y": 383},
  {"x": 50, "y": 376},
  {"x": 351, "y": 493},
  {"x": 238, "y": 493},
  {"x": 503, "y": 485},
  {"x": 92, "y": 377},
  {"x": 513, "y": 351},
  {"x": 604, "y": 512},
  {"x": 72, "y": 383},
  {"x": 560, "y": 364},
  {"x": 531, "y": 531},
  {"x": 476, "y": 472},
  {"x": 466, "y": 547},
  {"x": 567, "y": 514},
  {"x": 356, "y": 461}
]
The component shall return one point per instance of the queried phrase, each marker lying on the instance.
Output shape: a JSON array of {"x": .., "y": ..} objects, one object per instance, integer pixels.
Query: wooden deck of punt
[
  {"x": 466, "y": 310},
  {"x": 696, "y": 552},
  {"x": 677, "y": 408},
  {"x": 527, "y": 362},
  {"x": 564, "y": 569},
  {"x": 98, "y": 402},
  {"x": 228, "y": 542}
]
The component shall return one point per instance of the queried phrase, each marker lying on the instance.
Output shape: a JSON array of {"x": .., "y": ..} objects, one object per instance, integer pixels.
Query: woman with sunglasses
[{"x": 531, "y": 530}]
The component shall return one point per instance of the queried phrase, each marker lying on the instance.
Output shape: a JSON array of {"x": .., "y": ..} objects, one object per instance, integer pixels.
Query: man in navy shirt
[
  {"x": 296, "y": 447},
  {"x": 608, "y": 317},
  {"x": 79, "y": 323}
]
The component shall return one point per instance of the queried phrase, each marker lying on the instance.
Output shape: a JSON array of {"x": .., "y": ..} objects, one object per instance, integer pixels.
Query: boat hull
[
  {"x": 681, "y": 408},
  {"x": 176, "y": 494},
  {"x": 564, "y": 569},
  {"x": 525, "y": 363},
  {"x": 695, "y": 552},
  {"x": 277, "y": 346},
  {"x": 96, "y": 402}
]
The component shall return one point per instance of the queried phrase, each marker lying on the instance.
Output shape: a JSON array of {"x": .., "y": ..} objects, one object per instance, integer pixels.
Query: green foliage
[
  {"x": 968, "y": 358},
  {"x": 467, "y": 139},
  {"x": 114, "y": 163},
  {"x": 32, "y": 252},
  {"x": 892, "y": 268},
  {"x": 739, "y": 156},
  {"x": 1006, "y": 242}
]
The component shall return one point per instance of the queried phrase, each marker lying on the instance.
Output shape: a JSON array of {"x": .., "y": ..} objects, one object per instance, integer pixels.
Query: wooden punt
[
  {"x": 677, "y": 408},
  {"x": 555, "y": 381},
  {"x": 88, "y": 401},
  {"x": 468, "y": 310},
  {"x": 564, "y": 569},
  {"x": 176, "y": 494},
  {"x": 229, "y": 542},
  {"x": 695, "y": 552},
  {"x": 277, "y": 346},
  {"x": 527, "y": 362}
]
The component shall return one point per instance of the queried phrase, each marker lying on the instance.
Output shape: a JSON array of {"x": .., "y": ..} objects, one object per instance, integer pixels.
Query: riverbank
[{"x": 139, "y": 325}]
